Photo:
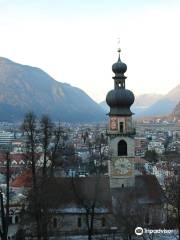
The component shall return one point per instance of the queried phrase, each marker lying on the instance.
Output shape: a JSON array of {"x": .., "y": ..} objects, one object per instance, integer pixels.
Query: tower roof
[{"x": 119, "y": 99}]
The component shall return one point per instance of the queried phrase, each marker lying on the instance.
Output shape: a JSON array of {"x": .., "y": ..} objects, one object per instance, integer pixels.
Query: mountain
[
  {"x": 176, "y": 112},
  {"x": 165, "y": 105},
  {"x": 146, "y": 100},
  {"x": 104, "y": 106},
  {"x": 25, "y": 88},
  {"x": 174, "y": 94},
  {"x": 143, "y": 102}
]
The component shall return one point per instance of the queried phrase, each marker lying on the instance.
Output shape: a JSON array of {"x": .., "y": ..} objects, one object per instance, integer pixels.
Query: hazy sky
[{"x": 76, "y": 41}]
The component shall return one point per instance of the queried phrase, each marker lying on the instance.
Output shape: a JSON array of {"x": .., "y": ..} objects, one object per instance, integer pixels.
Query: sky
[{"x": 76, "y": 41}]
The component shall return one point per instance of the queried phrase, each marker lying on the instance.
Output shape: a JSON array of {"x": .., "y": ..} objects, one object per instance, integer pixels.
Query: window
[
  {"x": 16, "y": 219},
  {"x": 79, "y": 223},
  {"x": 122, "y": 186},
  {"x": 121, "y": 127},
  {"x": 122, "y": 148},
  {"x": 54, "y": 222},
  {"x": 103, "y": 222}
]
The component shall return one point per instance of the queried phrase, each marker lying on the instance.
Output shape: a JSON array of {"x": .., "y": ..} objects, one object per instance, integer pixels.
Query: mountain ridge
[
  {"x": 24, "y": 88},
  {"x": 166, "y": 104}
]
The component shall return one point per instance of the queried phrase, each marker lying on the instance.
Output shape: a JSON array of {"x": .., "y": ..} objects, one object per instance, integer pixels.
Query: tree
[
  {"x": 5, "y": 207},
  {"x": 151, "y": 156},
  {"x": 46, "y": 130},
  {"x": 54, "y": 150},
  {"x": 49, "y": 133},
  {"x": 91, "y": 202},
  {"x": 172, "y": 191},
  {"x": 45, "y": 134},
  {"x": 30, "y": 129}
]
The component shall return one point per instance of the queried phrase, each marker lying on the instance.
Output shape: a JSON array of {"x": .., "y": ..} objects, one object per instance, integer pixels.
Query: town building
[{"x": 6, "y": 137}]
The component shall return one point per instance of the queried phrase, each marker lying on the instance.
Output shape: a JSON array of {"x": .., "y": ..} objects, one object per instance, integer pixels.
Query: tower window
[
  {"x": 122, "y": 148},
  {"x": 79, "y": 223},
  {"x": 121, "y": 127}
]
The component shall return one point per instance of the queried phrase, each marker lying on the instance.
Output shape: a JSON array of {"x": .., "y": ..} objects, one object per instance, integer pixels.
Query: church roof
[
  {"x": 68, "y": 194},
  {"x": 147, "y": 190},
  {"x": 23, "y": 180},
  {"x": 77, "y": 193}
]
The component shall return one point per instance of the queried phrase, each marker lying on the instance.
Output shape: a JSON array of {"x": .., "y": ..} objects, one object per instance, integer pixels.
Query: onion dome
[
  {"x": 119, "y": 67},
  {"x": 120, "y": 101}
]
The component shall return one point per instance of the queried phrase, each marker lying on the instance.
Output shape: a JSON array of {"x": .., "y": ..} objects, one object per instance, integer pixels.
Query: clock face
[
  {"x": 114, "y": 123},
  {"x": 122, "y": 166}
]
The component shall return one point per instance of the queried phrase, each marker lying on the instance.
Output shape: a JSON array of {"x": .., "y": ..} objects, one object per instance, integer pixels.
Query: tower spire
[{"x": 119, "y": 50}]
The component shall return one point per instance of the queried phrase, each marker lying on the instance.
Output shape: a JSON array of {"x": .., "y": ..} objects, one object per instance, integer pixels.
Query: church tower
[{"x": 120, "y": 130}]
